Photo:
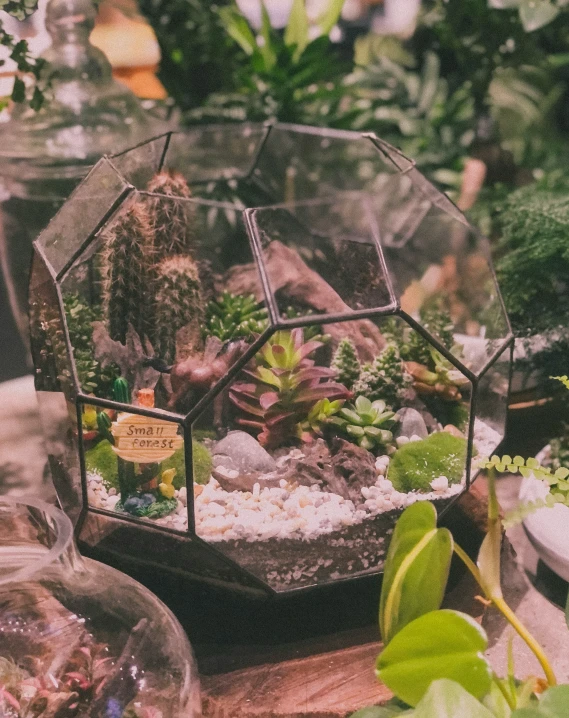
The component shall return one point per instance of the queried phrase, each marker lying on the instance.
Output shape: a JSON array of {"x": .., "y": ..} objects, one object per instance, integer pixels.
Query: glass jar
[
  {"x": 78, "y": 638},
  {"x": 44, "y": 154}
]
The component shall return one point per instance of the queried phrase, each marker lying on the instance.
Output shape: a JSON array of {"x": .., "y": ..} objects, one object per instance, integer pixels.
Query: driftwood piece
[{"x": 289, "y": 275}]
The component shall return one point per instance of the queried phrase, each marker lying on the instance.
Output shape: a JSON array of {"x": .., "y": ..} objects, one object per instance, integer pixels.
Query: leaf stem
[
  {"x": 469, "y": 563},
  {"x": 526, "y": 636},
  {"x": 502, "y": 688}
]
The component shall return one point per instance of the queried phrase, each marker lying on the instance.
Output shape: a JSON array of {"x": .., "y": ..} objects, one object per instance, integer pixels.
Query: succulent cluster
[
  {"x": 385, "y": 378},
  {"x": 150, "y": 279},
  {"x": 366, "y": 423},
  {"x": 233, "y": 316},
  {"x": 283, "y": 387}
]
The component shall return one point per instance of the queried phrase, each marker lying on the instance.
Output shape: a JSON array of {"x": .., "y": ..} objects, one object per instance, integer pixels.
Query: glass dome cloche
[
  {"x": 254, "y": 346},
  {"x": 78, "y": 638}
]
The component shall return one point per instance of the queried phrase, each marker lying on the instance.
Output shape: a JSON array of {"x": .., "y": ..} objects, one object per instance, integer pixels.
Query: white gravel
[{"x": 291, "y": 511}]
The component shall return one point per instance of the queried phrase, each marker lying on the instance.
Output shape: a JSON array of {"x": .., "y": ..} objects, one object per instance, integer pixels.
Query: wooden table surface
[{"x": 329, "y": 675}]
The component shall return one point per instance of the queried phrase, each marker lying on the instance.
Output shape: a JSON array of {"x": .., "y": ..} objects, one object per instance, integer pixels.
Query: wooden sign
[{"x": 145, "y": 440}]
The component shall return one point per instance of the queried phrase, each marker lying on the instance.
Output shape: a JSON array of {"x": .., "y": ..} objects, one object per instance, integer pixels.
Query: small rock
[
  {"x": 112, "y": 501},
  {"x": 240, "y": 451},
  {"x": 232, "y": 480},
  {"x": 451, "y": 429},
  {"x": 440, "y": 484},
  {"x": 183, "y": 495},
  {"x": 402, "y": 440},
  {"x": 354, "y": 466},
  {"x": 198, "y": 490},
  {"x": 112, "y": 492},
  {"x": 411, "y": 423}
]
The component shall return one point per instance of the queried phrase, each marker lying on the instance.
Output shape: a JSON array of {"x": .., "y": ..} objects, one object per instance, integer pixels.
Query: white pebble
[
  {"x": 112, "y": 492},
  {"x": 440, "y": 484},
  {"x": 402, "y": 440},
  {"x": 112, "y": 501},
  {"x": 415, "y": 437},
  {"x": 183, "y": 495}
]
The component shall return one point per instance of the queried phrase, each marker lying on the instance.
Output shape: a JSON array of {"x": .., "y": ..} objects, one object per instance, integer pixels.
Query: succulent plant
[
  {"x": 283, "y": 387},
  {"x": 312, "y": 331},
  {"x": 366, "y": 423},
  {"x": 386, "y": 378},
  {"x": 318, "y": 417},
  {"x": 444, "y": 380},
  {"x": 235, "y": 316},
  {"x": 346, "y": 363},
  {"x": 127, "y": 273},
  {"x": 178, "y": 302},
  {"x": 172, "y": 218}
]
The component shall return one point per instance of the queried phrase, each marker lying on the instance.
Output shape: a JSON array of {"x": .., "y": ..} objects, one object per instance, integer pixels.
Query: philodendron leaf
[
  {"x": 554, "y": 703},
  {"x": 416, "y": 569},
  {"x": 440, "y": 644},
  {"x": 448, "y": 699}
]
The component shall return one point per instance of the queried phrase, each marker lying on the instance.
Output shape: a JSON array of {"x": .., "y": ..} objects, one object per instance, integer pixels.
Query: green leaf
[
  {"x": 238, "y": 28},
  {"x": 416, "y": 569},
  {"x": 266, "y": 47},
  {"x": 330, "y": 16},
  {"x": 296, "y": 33},
  {"x": 448, "y": 699},
  {"x": 19, "y": 90},
  {"x": 554, "y": 703},
  {"x": 440, "y": 644},
  {"x": 537, "y": 13}
]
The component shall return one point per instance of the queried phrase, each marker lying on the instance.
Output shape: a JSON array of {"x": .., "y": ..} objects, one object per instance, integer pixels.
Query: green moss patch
[
  {"x": 416, "y": 464},
  {"x": 101, "y": 459}
]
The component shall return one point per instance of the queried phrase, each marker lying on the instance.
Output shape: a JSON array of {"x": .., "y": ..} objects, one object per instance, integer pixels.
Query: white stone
[
  {"x": 402, "y": 440},
  {"x": 183, "y": 495},
  {"x": 440, "y": 484},
  {"x": 112, "y": 501}
]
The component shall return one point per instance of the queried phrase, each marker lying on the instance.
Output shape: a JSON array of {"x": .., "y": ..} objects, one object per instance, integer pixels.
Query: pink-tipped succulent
[{"x": 284, "y": 387}]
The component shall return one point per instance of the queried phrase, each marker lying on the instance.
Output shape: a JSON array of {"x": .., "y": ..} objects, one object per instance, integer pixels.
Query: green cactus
[
  {"x": 172, "y": 218},
  {"x": 365, "y": 423},
  {"x": 127, "y": 273},
  {"x": 235, "y": 316},
  {"x": 178, "y": 302},
  {"x": 385, "y": 378},
  {"x": 346, "y": 363},
  {"x": 121, "y": 391}
]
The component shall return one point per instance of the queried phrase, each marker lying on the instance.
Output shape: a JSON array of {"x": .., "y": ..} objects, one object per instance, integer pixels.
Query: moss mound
[
  {"x": 416, "y": 464},
  {"x": 102, "y": 460}
]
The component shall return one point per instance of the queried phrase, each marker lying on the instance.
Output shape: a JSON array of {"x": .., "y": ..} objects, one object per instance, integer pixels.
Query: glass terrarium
[{"x": 254, "y": 346}]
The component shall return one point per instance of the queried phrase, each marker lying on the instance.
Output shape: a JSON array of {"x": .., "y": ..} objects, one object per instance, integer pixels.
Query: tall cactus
[
  {"x": 172, "y": 218},
  {"x": 127, "y": 272},
  {"x": 178, "y": 302}
]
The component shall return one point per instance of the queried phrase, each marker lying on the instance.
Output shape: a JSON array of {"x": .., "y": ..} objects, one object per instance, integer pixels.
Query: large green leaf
[
  {"x": 296, "y": 32},
  {"x": 330, "y": 16},
  {"x": 537, "y": 13},
  {"x": 448, "y": 699},
  {"x": 554, "y": 703},
  {"x": 440, "y": 644},
  {"x": 416, "y": 569},
  {"x": 238, "y": 28}
]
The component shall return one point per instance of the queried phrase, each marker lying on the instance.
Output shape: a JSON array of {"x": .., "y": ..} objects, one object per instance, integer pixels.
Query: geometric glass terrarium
[{"x": 254, "y": 346}]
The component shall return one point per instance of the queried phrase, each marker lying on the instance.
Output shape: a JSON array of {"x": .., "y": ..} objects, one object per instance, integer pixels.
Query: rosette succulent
[
  {"x": 233, "y": 316},
  {"x": 366, "y": 423},
  {"x": 283, "y": 387}
]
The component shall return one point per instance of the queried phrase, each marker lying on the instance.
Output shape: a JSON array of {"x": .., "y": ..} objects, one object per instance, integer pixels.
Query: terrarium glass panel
[
  {"x": 492, "y": 404},
  {"x": 88, "y": 207},
  {"x": 135, "y": 463},
  {"x": 322, "y": 257},
  {"x": 443, "y": 268},
  {"x": 307, "y": 321},
  {"x": 319, "y": 449},
  {"x": 55, "y": 388},
  {"x": 149, "y": 293}
]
